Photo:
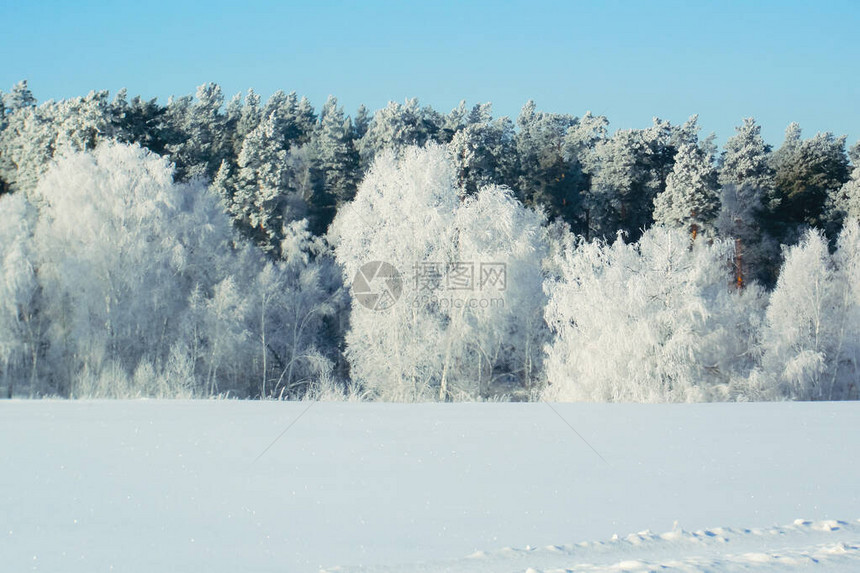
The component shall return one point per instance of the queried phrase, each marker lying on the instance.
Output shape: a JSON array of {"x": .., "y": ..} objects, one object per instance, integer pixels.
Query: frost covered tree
[
  {"x": 651, "y": 321},
  {"x": 546, "y": 176},
  {"x": 485, "y": 153},
  {"x": 335, "y": 161},
  {"x": 783, "y": 155},
  {"x": 138, "y": 121},
  {"x": 443, "y": 336},
  {"x": 361, "y": 123},
  {"x": 627, "y": 171},
  {"x": 26, "y": 148},
  {"x": 395, "y": 127},
  {"x": 19, "y": 97},
  {"x": 117, "y": 245},
  {"x": 844, "y": 203},
  {"x": 807, "y": 172},
  {"x": 746, "y": 159},
  {"x": 248, "y": 118},
  {"x": 756, "y": 253},
  {"x": 811, "y": 334},
  {"x": 848, "y": 200},
  {"x": 298, "y": 300},
  {"x": 34, "y": 135},
  {"x": 294, "y": 118},
  {"x": 257, "y": 191},
  {"x": 146, "y": 290},
  {"x": 19, "y": 322},
  {"x": 747, "y": 180},
  {"x": 691, "y": 199},
  {"x": 199, "y": 140}
]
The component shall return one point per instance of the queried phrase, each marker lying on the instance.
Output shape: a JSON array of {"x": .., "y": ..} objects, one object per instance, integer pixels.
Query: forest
[{"x": 238, "y": 248}]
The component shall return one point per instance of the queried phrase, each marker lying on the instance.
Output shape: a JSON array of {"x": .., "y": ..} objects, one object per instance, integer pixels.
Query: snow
[{"x": 174, "y": 486}]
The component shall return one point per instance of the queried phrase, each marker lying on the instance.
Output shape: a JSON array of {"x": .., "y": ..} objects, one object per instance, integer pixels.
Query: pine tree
[
  {"x": 395, "y": 127},
  {"x": 198, "y": 140},
  {"x": 546, "y": 178},
  {"x": 257, "y": 196},
  {"x": 747, "y": 179},
  {"x": 35, "y": 135},
  {"x": 691, "y": 200},
  {"x": 295, "y": 120},
  {"x": 336, "y": 161},
  {"x": 746, "y": 159},
  {"x": 848, "y": 200},
  {"x": 20, "y": 97},
  {"x": 138, "y": 121},
  {"x": 249, "y": 118},
  {"x": 627, "y": 172},
  {"x": 843, "y": 204},
  {"x": 485, "y": 153},
  {"x": 361, "y": 123},
  {"x": 806, "y": 173}
]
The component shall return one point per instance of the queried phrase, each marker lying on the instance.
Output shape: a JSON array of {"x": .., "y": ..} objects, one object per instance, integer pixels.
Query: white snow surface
[{"x": 163, "y": 486}]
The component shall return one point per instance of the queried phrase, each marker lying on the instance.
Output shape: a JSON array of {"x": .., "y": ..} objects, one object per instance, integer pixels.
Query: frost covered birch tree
[
  {"x": 146, "y": 289},
  {"x": 812, "y": 330},
  {"x": 651, "y": 321},
  {"x": 432, "y": 342},
  {"x": 19, "y": 331}
]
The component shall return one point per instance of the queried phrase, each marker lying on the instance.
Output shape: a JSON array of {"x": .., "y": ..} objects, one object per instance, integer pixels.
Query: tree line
[{"x": 206, "y": 247}]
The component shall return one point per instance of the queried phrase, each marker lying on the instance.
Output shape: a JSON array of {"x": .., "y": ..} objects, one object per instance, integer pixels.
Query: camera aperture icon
[{"x": 377, "y": 285}]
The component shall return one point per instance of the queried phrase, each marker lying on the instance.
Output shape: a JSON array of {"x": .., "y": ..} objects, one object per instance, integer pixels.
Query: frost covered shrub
[
  {"x": 652, "y": 321},
  {"x": 811, "y": 336},
  {"x": 432, "y": 342}
]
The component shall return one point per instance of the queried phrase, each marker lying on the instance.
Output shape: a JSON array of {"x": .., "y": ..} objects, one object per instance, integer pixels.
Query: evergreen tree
[
  {"x": 848, "y": 199},
  {"x": 547, "y": 179},
  {"x": 485, "y": 153},
  {"x": 395, "y": 127},
  {"x": 20, "y": 97},
  {"x": 757, "y": 253},
  {"x": 691, "y": 200},
  {"x": 627, "y": 172},
  {"x": 361, "y": 123},
  {"x": 257, "y": 194},
  {"x": 747, "y": 179},
  {"x": 453, "y": 122},
  {"x": 807, "y": 172},
  {"x": 138, "y": 121},
  {"x": 249, "y": 118},
  {"x": 746, "y": 159},
  {"x": 336, "y": 161},
  {"x": 198, "y": 140},
  {"x": 295, "y": 120},
  {"x": 34, "y": 135}
]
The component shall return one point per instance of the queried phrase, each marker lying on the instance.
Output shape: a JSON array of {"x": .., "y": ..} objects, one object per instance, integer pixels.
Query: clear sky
[{"x": 779, "y": 61}]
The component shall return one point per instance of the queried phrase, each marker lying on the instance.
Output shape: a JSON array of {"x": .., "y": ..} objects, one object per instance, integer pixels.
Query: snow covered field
[{"x": 153, "y": 486}]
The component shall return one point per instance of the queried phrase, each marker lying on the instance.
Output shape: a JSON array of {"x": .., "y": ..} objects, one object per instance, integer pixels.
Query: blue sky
[{"x": 777, "y": 61}]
